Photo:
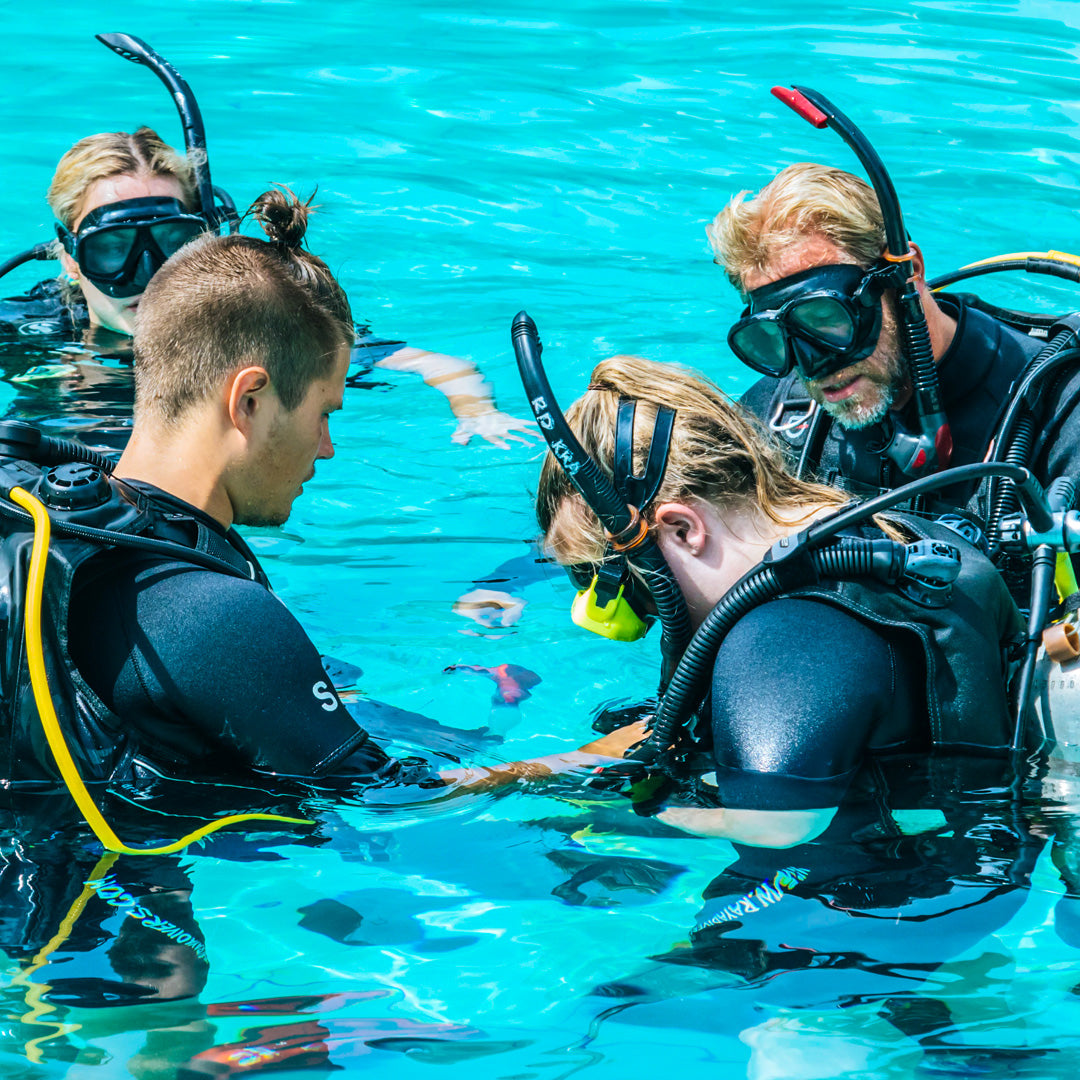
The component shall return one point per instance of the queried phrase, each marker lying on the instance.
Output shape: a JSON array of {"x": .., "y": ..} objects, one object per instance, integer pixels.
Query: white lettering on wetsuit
[
  {"x": 117, "y": 897},
  {"x": 327, "y": 696},
  {"x": 766, "y": 894}
]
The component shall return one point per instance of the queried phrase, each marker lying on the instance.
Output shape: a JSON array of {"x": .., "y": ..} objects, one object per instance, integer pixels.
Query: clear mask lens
[
  {"x": 761, "y": 344},
  {"x": 825, "y": 320}
]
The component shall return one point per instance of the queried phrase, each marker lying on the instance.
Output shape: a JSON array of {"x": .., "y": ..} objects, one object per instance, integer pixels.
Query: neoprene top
[
  {"x": 212, "y": 673},
  {"x": 842, "y": 690}
]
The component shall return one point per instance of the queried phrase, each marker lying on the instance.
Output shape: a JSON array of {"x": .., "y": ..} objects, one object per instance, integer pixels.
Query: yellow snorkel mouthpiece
[{"x": 616, "y": 620}]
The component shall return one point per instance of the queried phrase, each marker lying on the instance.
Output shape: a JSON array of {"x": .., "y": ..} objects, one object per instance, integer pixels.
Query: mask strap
[{"x": 640, "y": 490}]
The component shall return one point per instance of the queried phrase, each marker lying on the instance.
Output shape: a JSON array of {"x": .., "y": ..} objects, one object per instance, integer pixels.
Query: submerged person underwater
[{"x": 124, "y": 203}]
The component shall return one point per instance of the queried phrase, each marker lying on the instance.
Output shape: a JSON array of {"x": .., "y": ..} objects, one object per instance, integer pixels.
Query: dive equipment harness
[{"x": 56, "y": 487}]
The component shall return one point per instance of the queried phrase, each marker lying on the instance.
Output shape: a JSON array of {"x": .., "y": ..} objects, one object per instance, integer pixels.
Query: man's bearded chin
[{"x": 873, "y": 400}]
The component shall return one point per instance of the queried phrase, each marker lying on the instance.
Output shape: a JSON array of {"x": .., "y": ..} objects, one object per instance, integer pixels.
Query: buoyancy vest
[
  {"x": 964, "y": 643},
  {"x": 78, "y": 495},
  {"x": 44, "y": 311}
]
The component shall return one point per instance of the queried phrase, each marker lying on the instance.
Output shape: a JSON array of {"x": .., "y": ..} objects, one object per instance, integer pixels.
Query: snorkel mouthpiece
[
  {"x": 616, "y": 620},
  {"x": 929, "y": 450}
]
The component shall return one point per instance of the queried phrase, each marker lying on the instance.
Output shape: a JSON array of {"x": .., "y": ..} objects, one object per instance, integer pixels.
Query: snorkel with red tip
[{"x": 930, "y": 450}]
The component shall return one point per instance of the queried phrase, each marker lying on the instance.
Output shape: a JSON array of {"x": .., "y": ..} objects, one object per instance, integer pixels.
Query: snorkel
[
  {"x": 928, "y": 451},
  {"x": 215, "y": 213},
  {"x": 138, "y": 52},
  {"x": 626, "y": 529}
]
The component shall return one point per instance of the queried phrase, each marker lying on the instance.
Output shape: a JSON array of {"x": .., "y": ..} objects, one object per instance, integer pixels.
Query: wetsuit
[
  {"x": 976, "y": 374},
  {"x": 793, "y": 740},
  {"x": 863, "y": 714},
  {"x": 210, "y": 674}
]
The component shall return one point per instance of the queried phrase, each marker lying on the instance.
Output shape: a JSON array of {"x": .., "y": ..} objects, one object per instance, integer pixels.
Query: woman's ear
[
  {"x": 71, "y": 267},
  {"x": 682, "y": 527}
]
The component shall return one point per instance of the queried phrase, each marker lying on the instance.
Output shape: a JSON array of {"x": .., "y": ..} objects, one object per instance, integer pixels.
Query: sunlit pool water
[{"x": 471, "y": 161}]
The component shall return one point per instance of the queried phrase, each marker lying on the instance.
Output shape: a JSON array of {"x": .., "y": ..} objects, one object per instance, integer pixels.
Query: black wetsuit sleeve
[
  {"x": 214, "y": 674},
  {"x": 801, "y": 691},
  {"x": 368, "y": 349}
]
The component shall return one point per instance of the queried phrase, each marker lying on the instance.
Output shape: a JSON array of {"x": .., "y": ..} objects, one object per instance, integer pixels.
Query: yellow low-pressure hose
[
  {"x": 35, "y": 657},
  {"x": 1053, "y": 256},
  {"x": 1064, "y": 576}
]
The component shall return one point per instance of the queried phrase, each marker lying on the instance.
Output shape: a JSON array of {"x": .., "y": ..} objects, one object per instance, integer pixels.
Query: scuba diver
[
  {"x": 154, "y": 648},
  {"x": 124, "y": 202},
  {"x": 870, "y": 378},
  {"x": 911, "y": 668},
  {"x": 832, "y": 695}
]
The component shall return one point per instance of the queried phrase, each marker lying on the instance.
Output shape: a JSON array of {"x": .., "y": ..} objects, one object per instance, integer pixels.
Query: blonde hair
[
  {"x": 803, "y": 200},
  {"x": 114, "y": 153},
  {"x": 718, "y": 455}
]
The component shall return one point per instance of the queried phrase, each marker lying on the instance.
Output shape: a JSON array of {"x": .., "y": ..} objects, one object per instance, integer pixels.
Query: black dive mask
[
  {"x": 817, "y": 321},
  {"x": 122, "y": 245}
]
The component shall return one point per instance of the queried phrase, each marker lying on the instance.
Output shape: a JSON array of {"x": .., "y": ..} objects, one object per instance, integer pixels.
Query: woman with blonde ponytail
[{"x": 816, "y": 685}]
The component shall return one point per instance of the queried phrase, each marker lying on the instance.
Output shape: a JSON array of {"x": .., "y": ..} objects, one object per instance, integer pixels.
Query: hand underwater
[
  {"x": 495, "y": 427},
  {"x": 489, "y": 607}
]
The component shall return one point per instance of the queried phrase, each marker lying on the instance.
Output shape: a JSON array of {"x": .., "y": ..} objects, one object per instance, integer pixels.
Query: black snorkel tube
[
  {"x": 216, "y": 213},
  {"x": 138, "y": 52},
  {"x": 626, "y": 528},
  {"x": 914, "y": 455}
]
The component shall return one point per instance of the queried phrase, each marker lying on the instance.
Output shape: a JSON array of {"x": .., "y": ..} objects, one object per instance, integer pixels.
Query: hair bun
[{"x": 283, "y": 216}]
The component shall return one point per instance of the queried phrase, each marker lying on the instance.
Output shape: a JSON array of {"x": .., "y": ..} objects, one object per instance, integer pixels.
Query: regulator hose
[
  {"x": 20, "y": 440},
  {"x": 1055, "y": 263},
  {"x": 1016, "y": 432},
  {"x": 44, "y": 250},
  {"x": 1061, "y": 496},
  {"x": 152, "y": 544},
  {"x": 35, "y": 657}
]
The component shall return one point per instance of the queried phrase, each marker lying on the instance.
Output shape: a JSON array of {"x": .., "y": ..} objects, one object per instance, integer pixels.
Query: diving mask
[
  {"x": 120, "y": 246},
  {"x": 818, "y": 321}
]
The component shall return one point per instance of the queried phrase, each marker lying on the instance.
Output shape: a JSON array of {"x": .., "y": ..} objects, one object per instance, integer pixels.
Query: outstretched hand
[
  {"x": 495, "y": 427},
  {"x": 620, "y": 742}
]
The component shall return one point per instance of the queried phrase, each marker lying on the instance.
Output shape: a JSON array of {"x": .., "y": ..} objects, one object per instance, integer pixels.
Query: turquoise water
[{"x": 472, "y": 161}]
